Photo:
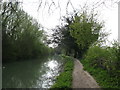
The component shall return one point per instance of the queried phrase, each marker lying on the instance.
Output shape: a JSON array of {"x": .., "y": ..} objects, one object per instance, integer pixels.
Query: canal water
[{"x": 40, "y": 73}]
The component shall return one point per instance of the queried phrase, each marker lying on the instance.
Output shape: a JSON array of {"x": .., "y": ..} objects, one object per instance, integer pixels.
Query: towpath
[{"x": 81, "y": 78}]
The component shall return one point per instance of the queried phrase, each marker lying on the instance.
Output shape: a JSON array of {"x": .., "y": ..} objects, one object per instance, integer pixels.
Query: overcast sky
[{"x": 107, "y": 13}]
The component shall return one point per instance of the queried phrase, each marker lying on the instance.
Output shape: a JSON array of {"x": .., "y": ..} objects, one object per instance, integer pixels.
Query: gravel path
[{"x": 81, "y": 78}]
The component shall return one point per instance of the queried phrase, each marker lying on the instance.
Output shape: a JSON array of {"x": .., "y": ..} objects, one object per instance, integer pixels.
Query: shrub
[{"x": 104, "y": 64}]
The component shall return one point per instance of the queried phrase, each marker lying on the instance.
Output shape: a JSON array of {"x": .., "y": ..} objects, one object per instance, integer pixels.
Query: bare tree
[{"x": 57, "y": 4}]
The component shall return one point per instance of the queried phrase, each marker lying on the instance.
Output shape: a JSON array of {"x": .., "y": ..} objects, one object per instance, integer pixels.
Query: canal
[{"x": 38, "y": 73}]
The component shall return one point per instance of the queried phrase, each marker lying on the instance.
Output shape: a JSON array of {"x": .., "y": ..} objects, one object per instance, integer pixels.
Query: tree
[
  {"x": 22, "y": 37},
  {"x": 85, "y": 29},
  {"x": 9, "y": 32},
  {"x": 79, "y": 32},
  {"x": 65, "y": 41}
]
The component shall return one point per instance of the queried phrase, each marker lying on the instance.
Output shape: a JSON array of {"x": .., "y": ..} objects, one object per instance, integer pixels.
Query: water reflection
[
  {"x": 52, "y": 71},
  {"x": 32, "y": 73}
]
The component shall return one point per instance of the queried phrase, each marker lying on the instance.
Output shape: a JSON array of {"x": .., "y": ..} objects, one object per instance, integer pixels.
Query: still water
[{"x": 39, "y": 73}]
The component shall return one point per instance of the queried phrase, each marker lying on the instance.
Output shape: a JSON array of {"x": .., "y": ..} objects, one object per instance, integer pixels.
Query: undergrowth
[{"x": 104, "y": 65}]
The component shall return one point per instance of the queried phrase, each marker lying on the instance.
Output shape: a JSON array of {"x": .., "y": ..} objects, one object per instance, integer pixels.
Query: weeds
[
  {"x": 104, "y": 65},
  {"x": 64, "y": 80}
]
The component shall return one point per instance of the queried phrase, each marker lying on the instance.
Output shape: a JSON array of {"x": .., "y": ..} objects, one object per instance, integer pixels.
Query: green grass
[
  {"x": 102, "y": 77},
  {"x": 104, "y": 65},
  {"x": 64, "y": 80}
]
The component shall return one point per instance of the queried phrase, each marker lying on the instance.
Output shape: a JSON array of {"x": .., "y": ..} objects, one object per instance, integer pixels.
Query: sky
[
  {"x": 50, "y": 18},
  {"x": 119, "y": 22}
]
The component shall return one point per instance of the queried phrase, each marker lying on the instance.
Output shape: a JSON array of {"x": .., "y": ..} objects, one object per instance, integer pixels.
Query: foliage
[
  {"x": 85, "y": 29},
  {"x": 64, "y": 80},
  {"x": 80, "y": 31},
  {"x": 66, "y": 43},
  {"x": 101, "y": 76},
  {"x": 104, "y": 63},
  {"x": 21, "y": 34},
  {"x": 99, "y": 56}
]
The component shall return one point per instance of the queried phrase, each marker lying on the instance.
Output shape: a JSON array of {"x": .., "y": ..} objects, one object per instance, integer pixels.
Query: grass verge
[
  {"x": 64, "y": 80},
  {"x": 102, "y": 76}
]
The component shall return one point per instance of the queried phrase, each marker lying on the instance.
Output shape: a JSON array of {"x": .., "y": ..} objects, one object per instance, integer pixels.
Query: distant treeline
[{"x": 22, "y": 36}]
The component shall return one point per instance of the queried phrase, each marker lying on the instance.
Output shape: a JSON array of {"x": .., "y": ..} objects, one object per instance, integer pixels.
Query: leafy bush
[
  {"x": 104, "y": 64},
  {"x": 101, "y": 57},
  {"x": 101, "y": 76}
]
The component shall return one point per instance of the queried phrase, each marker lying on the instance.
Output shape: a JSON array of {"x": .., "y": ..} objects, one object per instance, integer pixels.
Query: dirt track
[{"x": 81, "y": 78}]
